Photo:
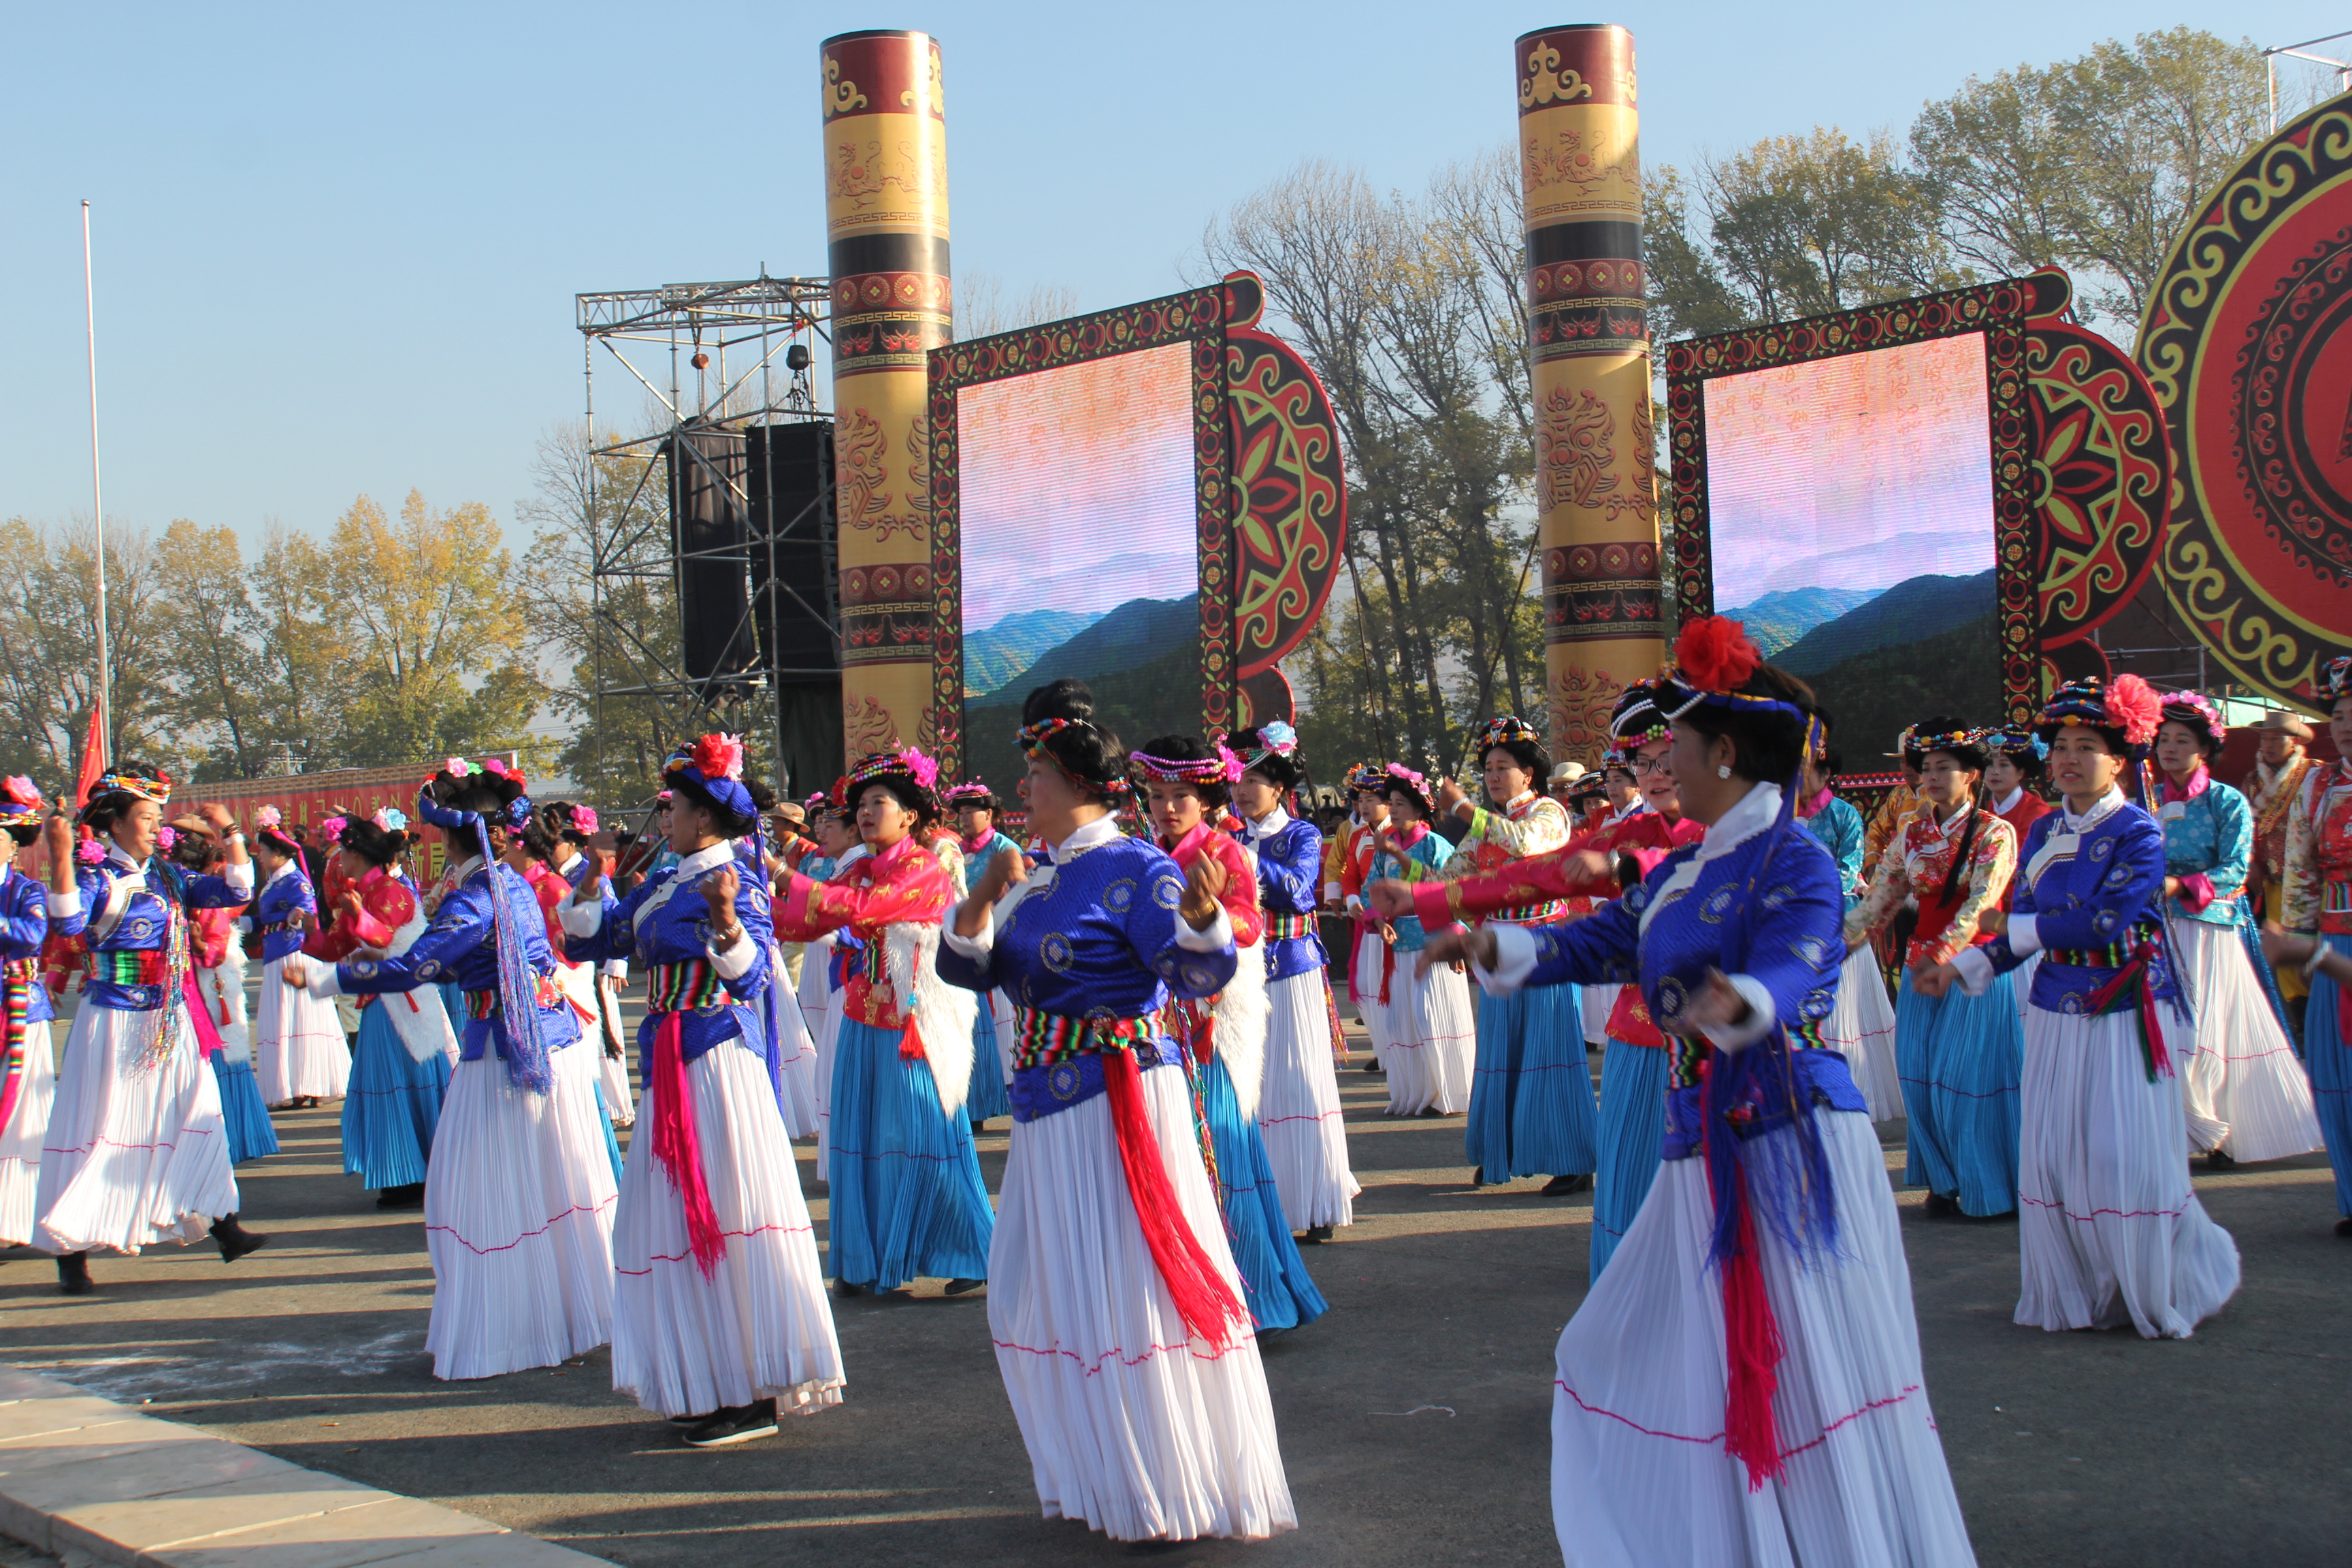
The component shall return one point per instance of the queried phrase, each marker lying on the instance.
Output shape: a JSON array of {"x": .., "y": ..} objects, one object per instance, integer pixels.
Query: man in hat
[
  {"x": 1565, "y": 777},
  {"x": 2280, "y": 764}
]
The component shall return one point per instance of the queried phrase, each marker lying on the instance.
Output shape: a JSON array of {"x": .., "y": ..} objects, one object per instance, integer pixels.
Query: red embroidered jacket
[{"x": 903, "y": 885}]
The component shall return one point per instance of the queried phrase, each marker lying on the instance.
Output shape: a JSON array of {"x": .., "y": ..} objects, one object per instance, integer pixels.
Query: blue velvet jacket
[
  {"x": 273, "y": 907},
  {"x": 2209, "y": 835},
  {"x": 460, "y": 946},
  {"x": 1096, "y": 936},
  {"x": 1289, "y": 884},
  {"x": 1838, "y": 827},
  {"x": 1781, "y": 940},
  {"x": 2093, "y": 888},
  {"x": 24, "y": 926},
  {"x": 130, "y": 912},
  {"x": 663, "y": 922}
]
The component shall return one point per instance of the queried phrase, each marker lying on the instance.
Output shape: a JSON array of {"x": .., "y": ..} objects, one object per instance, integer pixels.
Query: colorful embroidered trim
[
  {"x": 1285, "y": 928},
  {"x": 685, "y": 987},
  {"x": 1041, "y": 1039},
  {"x": 2114, "y": 956},
  {"x": 140, "y": 967},
  {"x": 15, "y": 1002}
]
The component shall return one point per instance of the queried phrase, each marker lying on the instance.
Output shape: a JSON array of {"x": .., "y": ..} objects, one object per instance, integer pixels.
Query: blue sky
[{"x": 337, "y": 246}]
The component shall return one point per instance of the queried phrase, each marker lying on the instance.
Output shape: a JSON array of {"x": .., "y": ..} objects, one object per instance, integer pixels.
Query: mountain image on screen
[
  {"x": 1928, "y": 644},
  {"x": 999, "y": 655},
  {"x": 1142, "y": 661},
  {"x": 1776, "y": 619}
]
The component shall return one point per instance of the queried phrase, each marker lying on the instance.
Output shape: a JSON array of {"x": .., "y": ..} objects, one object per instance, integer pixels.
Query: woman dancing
[
  {"x": 1433, "y": 1028},
  {"x": 519, "y": 1192},
  {"x": 718, "y": 1316},
  {"x": 1743, "y": 1384},
  {"x": 2109, "y": 1231},
  {"x": 299, "y": 1054},
  {"x": 1299, "y": 1109},
  {"x": 1960, "y": 1057},
  {"x": 2242, "y": 1079},
  {"x": 1224, "y": 1036},
  {"x": 28, "y": 1071},
  {"x": 134, "y": 1154},
  {"x": 1113, "y": 1300},
  {"x": 906, "y": 1198},
  {"x": 216, "y": 956}
]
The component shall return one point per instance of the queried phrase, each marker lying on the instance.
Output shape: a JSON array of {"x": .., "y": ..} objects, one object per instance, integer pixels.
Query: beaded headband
[
  {"x": 1368, "y": 776},
  {"x": 1713, "y": 659},
  {"x": 1220, "y": 767},
  {"x": 139, "y": 785},
  {"x": 1506, "y": 729},
  {"x": 1032, "y": 739},
  {"x": 2018, "y": 743},
  {"x": 1922, "y": 742},
  {"x": 2128, "y": 704},
  {"x": 20, "y": 803},
  {"x": 907, "y": 762},
  {"x": 2198, "y": 712},
  {"x": 1399, "y": 776},
  {"x": 971, "y": 792}
]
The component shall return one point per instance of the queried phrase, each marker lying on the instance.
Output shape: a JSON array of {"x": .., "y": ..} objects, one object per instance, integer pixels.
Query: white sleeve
[
  {"x": 1515, "y": 961},
  {"x": 732, "y": 962},
  {"x": 2024, "y": 937},
  {"x": 66, "y": 903},
  {"x": 579, "y": 918},
  {"x": 325, "y": 982},
  {"x": 1213, "y": 940},
  {"x": 239, "y": 877},
  {"x": 980, "y": 943},
  {"x": 1976, "y": 965},
  {"x": 1761, "y": 1015}
]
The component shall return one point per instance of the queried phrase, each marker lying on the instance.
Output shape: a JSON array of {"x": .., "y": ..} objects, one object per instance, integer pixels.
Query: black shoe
[
  {"x": 235, "y": 1240},
  {"x": 407, "y": 1195},
  {"x": 73, "y": 1273},
  {"x": 2343, "y": 1228},
  {"x": 1560, "y": 1186},
  {"x": 687, "y": 1420},
  {"x": 1317, "y": 1233},
  {"x": 1374, "y": 1067},
  {"x": 735, "y": 1424},
  {"x": 964, "y": 1287},
  {"x": 845, "y": 1288},
  {"x": 2217, "y": 1161},
  {"x": 1938, "y": 1206}
]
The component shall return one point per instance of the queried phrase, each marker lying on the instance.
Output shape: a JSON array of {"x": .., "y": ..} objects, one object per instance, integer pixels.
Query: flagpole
[{"x": 97, "y": 511}]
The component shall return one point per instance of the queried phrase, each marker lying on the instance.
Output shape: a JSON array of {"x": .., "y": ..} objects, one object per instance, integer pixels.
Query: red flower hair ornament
[
  {"x": 2134, "y": 706},
  {"x": 1714, "y": 654},
  {"x": 719, "y": 757}
]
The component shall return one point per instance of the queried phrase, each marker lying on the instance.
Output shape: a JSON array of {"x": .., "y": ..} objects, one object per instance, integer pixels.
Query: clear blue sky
[{"x": 337, "y": 246}]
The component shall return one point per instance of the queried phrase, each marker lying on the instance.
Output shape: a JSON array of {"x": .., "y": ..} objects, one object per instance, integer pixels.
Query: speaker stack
[{"x": 794, "y": 592}]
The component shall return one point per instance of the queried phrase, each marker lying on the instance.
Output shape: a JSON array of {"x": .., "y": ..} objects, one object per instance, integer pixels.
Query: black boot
[
  {"x": 1560, "y": 1186},
  {"x": 407, "y": 1195},
  {"x": 73, "y": 1274},
  {"x": 235, "y": 1240}
]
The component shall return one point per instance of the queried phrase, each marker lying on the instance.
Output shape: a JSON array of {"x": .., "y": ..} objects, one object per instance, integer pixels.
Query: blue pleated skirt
[
  {"x": 393, "y": 1104},
  {"x": 1282, "y": 1294},
  {"x": 2328, "y": 1056},
  {"x": 1633, "y": 1135},
  {"x": 1531, "y": 1106},
  {"x": 242, "y": 1116},
  {"x": 907, "y": 1200},
  {"x": 990, "y": 1096},
  {"x": 1960, "y": 1058}
]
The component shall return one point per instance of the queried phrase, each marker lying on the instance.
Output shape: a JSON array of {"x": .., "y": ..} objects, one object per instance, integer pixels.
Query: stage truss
[{"x": 730, "y": 355}]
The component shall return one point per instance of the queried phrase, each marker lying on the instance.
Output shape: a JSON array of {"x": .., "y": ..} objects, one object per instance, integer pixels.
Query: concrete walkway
[{"x": 83, "y": 1477}]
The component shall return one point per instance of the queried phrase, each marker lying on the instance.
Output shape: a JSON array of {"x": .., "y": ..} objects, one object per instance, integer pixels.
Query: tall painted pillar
[
  {"x": 885, "y": 207},
  {"x": 1588, "y": 350}
]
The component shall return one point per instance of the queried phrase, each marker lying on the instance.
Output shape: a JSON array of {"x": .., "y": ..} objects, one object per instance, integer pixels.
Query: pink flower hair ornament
[
  {"x": 268, "y": 817},
  {"x": 18, "y": 790},
  {"x": 583, "y": 819},
  {"x": 89, "y": 851},
  {"x": 923, "y": 770},
  {"x": 457, "y": 767},
  {"x": 166, "y": 835},
  {"x": 333, "y": 828}
]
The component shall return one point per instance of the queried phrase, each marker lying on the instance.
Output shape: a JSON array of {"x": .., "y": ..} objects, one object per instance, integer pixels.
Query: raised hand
[
  {"x": 1450, "y": 795},
  {"x": 1389, "y": 898},
  {"x": 217, "y": 813},
  {"x": 1205, "y": 884},
  {"x": 718, "y": 890},
  {"x": 1716, "y": 1004},
  {"x": 1456, "y": 945},
  {"x": 57, "y": 843},
  {"x": 347, "y": 901}
]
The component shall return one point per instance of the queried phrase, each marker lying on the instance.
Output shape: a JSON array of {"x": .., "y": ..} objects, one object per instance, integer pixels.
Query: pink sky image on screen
[
  {"x": 1077, "y": 487},
  {"x": 1855, "y": 472}
]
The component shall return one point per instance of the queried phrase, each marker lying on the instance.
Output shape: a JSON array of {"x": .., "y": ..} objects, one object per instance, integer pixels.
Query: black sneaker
[
  {"x": 1316, "y": 1234},
  {"x": 2217, "y": 1161},
  {"x": 2344, "y": 1227},
  {"x": 1938, "y": 1206},
  {"x": 1560, "y": 1186},
  {"x": 407, "y": 1195},
  {"x": 735, "y": 1424},
  {"x": 964, "y": 1287}
]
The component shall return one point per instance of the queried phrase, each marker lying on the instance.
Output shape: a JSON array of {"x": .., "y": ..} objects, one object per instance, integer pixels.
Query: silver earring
[{"x": 1723, "y": 769}]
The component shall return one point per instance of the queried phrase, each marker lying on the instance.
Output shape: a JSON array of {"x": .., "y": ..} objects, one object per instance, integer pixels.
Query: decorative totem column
[
  {"x": 1589, "y": 349},
  {"x": 885, "y": 175}
]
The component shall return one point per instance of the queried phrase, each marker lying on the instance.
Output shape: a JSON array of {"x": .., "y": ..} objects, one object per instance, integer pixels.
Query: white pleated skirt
[
  {"x": 1861, "y": 1028},
  {"x": 2109, "y": 1231},
  {"x": 1437, "y": 1039},
  {"x": 135, "y": 1153},
  {"x": 1380, "y": 1024},
  {"x": 820, "y": 1010},
  {"x": 519, "y": 1199},
  {"x": 1132, "y": 1426},
  {"x": 20, "y": 1139},
  {"x": 1640, "y": 1477},
  {"x": 1596, "y": 1002},
  {"x": 2245, "y": 1074},
  {"x": 795, "y": 1054},
  {"x": 298, "y": 1045},
  {"x": 758, "y": 1326},
  {"x": 1298, "y": 1108}
]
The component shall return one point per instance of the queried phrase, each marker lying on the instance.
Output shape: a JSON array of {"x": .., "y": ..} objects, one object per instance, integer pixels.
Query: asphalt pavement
[{"x": 1415, "y": 1417}]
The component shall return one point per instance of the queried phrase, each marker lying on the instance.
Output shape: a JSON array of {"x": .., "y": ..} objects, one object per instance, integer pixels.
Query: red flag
[{"x": 93, "y": 757}]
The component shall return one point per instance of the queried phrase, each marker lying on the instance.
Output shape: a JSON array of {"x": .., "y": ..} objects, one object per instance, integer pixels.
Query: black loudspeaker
[
  {"x": 793, "y": 548},
  {"x": 710, "y": 528}
]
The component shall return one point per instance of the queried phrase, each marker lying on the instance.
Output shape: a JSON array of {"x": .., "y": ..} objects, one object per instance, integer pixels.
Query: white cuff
[
  {"x": 732, "y": 962},
  {"x": 239, "y": 877},
  {"x": 1213, "y": 940},
  {"x": 1975, "y": 966},
  {"x": 579, "y": 918},
  {"x": 1331, "y": 893},
  {"x": 325, "y": 981},
  {"x": 243, "y": 923},
  {"x": 66, "y": 903},
  {"x": 616, "y": 968},
  {"x": 1761, "y": 1015},
  {"x": 1355, "y": 904},
  {"x": 2024, "y": 940},
  {"x": 1515, "y": 961},
  {"x": 977, "y": 945}
]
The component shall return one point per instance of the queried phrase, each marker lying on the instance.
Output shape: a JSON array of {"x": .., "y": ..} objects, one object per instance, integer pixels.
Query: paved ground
[{"x": 1414, "y": 1418}]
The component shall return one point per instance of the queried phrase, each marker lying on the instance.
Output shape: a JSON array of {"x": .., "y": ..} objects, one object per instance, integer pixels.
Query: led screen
[
  {"x": 1852, "y": 521},
  {"x": 1079, "y": 552}
]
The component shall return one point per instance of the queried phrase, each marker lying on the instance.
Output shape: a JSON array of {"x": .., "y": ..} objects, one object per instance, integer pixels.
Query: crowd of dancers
[{"x": 2043, "y": 951}]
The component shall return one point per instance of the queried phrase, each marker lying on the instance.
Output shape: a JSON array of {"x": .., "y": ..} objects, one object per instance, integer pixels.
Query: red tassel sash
[{"x": 679, "y": 1146}]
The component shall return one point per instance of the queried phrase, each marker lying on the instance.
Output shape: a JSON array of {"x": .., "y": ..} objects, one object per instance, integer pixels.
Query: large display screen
[
  {"x": 1080, "y": 548},
  {"x": 1850, "y": 508}
]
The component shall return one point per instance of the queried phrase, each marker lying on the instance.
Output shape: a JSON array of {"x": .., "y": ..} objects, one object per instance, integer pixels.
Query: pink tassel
[
  {"x": 679, "y": 1146},
  {"x": 1752, "y": 1348}
]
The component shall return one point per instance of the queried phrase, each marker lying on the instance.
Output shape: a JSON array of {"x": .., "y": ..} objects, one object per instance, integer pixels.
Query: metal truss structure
[{"x": 737, "y": 354}]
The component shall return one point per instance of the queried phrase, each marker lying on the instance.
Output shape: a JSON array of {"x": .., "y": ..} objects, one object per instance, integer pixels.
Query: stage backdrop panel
[{"x": 1851, "y": 513}]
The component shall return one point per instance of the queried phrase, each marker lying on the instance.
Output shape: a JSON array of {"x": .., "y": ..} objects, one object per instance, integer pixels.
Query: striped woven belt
[
  {"x": 1041, "y": 1039},
  {"x": 1686, "y": 1057},
  {"x": 1533, "y": 914},
  {"x": 138, "y": 966},
  {"x": 485, "y": 1003},
  {"x": 2114, "y": 956},
  {"x": 2336, "y": 898},
  {"x": 1283, "y": 928},
  {"x": 685, "y": 987}
]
